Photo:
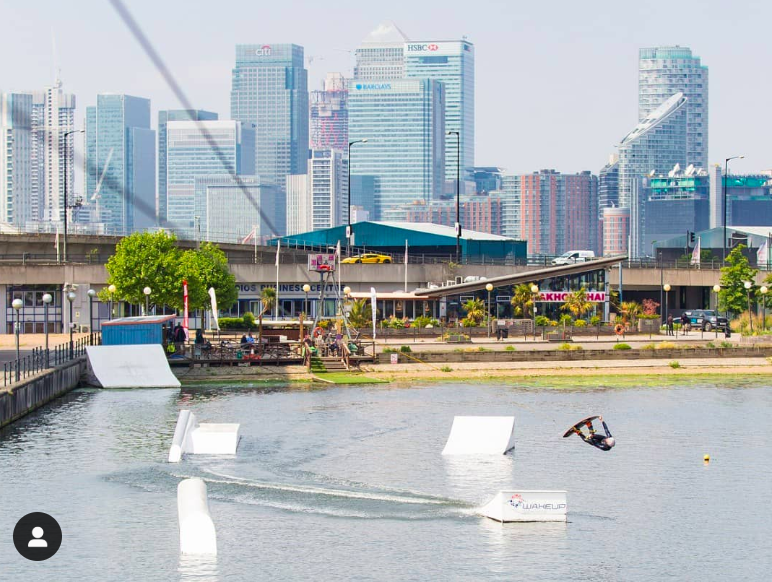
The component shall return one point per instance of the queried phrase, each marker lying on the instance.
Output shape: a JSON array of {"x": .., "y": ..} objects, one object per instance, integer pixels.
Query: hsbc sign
[{"x": 419, "y": 48}]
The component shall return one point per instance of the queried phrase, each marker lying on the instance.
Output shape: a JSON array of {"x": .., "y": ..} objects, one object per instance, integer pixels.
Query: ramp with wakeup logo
[
  {"x": 526, "y": 506},
  {"x": 131, "y": 366}
]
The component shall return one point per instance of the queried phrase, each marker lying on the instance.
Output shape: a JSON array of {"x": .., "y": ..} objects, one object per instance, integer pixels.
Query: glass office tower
[
  {"x": 120, "y": 163},
  {"x": 165, "y": 117},
  {"x": 404, "y": 123},
  {"x": 451, "y": 62}
]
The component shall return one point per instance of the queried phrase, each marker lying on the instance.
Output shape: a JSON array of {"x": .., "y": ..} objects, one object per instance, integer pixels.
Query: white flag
[
  {"x": 337, "y": 249},
  {"x": 406, "y": 251},
  {"x": 214, "y": 308},
  {"x": 278, "y": 248},
  {"x": 696, "y": 253},
  {"x": 762, "y": 255},
  {"x": 373, "y": 306}
]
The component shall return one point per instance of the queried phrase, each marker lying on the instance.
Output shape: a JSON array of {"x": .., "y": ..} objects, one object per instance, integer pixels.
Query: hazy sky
[{"x": 556, "y": 82}]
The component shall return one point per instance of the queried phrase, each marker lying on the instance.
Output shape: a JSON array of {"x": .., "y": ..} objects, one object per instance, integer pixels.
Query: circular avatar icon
[{"x": 37, "y": 536}]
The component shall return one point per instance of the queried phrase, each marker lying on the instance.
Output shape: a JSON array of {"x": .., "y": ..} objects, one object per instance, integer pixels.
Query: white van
[{"x": 572, "y": 257}]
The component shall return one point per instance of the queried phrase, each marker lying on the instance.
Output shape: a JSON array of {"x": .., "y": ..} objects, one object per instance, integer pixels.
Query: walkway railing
[{"x": 40, "y": 360}]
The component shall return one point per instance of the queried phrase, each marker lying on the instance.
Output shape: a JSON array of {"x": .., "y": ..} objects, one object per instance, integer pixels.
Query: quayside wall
[{"x": 22, "y": 398}]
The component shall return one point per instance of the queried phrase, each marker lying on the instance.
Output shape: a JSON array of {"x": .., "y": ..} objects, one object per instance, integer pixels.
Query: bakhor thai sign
[{"x": 561, "y": 296}]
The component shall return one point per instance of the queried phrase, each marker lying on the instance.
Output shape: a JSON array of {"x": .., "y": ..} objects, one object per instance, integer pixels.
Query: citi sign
[
  {"x": 419, "y": 48},
  {"x": 263, "y": 51}
]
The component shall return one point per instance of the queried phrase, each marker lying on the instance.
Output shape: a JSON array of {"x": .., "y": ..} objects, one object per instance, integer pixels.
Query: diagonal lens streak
[{"x": 139, "y": 35}]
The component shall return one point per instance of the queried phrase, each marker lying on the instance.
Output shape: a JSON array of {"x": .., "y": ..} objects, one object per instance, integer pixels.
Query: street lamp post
[
  {"x": 748, "y": 285},
  {"x": 349, "y": 230},
  {"x": 71, "y": 297},
  {"x": 458, "y": 194},
  {"x": 47, "y": 299},
  {"x": 306, "y": 289},
  {"x": 535, "y": 292},
  {"x": 716, "y": 289},
  {"x": 17, "y": 304},
  {"x": 147, "y": 291},
  {"x": 726, "y": 172},
  {"x": 489, "y": 288},
  {"x": 666, "y": 287},
  {"x": 66, "y": 133},
  {"x": 111, "y": 290},
  {"x": 763, "y": 292},
  {"x": 91, "y": 294}
]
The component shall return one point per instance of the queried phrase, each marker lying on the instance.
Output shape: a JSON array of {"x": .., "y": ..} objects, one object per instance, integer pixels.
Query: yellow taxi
[{"x": 367, "y": 258}]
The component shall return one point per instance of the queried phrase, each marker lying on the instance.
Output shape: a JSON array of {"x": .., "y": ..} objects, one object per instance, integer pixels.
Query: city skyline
[{"x": 599, "y": 111}]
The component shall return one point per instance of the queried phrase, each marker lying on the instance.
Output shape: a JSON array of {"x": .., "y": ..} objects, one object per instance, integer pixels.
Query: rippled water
[{"x": 349, "y": 483}]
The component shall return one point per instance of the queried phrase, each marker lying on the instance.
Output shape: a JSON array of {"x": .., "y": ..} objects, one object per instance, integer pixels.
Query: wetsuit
[{"x": 595, "y": 439}]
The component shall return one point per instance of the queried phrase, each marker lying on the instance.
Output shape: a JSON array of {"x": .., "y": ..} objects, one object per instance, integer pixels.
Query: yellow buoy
[{"x": 706, "y": 458}]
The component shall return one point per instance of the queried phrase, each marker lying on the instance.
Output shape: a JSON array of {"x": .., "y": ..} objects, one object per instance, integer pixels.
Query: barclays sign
[{"x": 372, "y": 86}]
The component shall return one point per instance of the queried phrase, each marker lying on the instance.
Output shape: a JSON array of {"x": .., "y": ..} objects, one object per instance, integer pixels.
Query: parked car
[
  {"x": 367, "y": 258},
  {"x": 706, "y": 319},
  {"x": 572, "y": 257}
]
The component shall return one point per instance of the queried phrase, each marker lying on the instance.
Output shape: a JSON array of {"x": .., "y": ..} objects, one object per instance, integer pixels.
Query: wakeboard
[{"x": 579, "y": 424}]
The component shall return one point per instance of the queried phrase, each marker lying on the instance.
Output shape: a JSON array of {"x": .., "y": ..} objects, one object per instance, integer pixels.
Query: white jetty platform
[
  {"x": 525, "y": 506},
  {"x": 481, "y": 435},
  {"x": 202, "y": 439},
  {"x": 134, "y": 366}
]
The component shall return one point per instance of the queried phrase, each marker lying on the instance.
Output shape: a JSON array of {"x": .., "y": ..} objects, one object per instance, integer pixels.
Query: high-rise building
[
  {"x": 404, "y": 123},
  {"x": 269, "y": 93},
  {"x": 487, "y": 179},
  {"x": 665, "y": 71},
  {"x": 749, "y": 199},
  {"x": 656, "y": 145},
  {"x": 451, "y": 62},
  {"x": 510, "y": 205},
  {"x": 235, "y": 208},
  {"x": 120, "y": 163},
  {"x": 616, "y": 229},
  {"x": 318, "y": 199},
  {"x": 580, "y": 210},
  {"x": 478, "y": 213},
  {"x": 202, "y": 148},
  {"x": 329, "y": 115},
  {"x": 15, "y": 158},
  {"x": 53, "y": 114},
  {"x": 163, "y": 118},
  {"x": 381, "y": 55},
  {"x": 608, "y": 184}
]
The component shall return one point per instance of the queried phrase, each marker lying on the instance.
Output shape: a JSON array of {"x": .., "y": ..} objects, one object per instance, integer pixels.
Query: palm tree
[
  {"x": 522, "y": 299},
  {"x": 577, "y": 303},
  {"x": 361, "y": 313},
  {"x": 268, "y": 298},
  {"x": 631, "y": 311},
  {"x": 475, "y": 310}
]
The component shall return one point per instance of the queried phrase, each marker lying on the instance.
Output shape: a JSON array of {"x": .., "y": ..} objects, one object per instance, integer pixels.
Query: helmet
[{"x": 609, "y": 441}]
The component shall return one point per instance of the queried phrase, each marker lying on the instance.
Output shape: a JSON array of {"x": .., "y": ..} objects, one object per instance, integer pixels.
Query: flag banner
[
  {"x": 406, "y": 251},
  {"x": 278, "y": 249},
  {"x": 214, "y": 309},
  {"x": 185, "y": 325},
  {"x": 762, "y": 255},
  {"x": 696, "y": 253},
  {"x": 373, "y": 306}
]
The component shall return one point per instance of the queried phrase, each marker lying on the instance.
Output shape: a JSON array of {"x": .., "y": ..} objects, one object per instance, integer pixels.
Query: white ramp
[
  {"x": 136, "y": 366},
  {"x": 519, "y": 505},
  {"x": 202, "y": 439},
  {"x": 481, "y": 435},
  {"x": 197, "y": 534}
]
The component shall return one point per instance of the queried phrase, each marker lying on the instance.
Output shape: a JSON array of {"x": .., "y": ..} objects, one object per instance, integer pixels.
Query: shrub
[
  {"x": 710, "y": 345},
  {"x": 553, "y": 323},
  {"x": 726, "y": 344},
  {"x": 666, "y": 346},
  {"x": 566, "y": 347},
  {"x": 458, "y": 351},
  {"x": 650, "y": 346},
  {"x": 249, "y": 319},
  {"x": 742, "y": 325},
  {"x": 405, "y": 349},
  {"x": 482, "y": 349},
  {"x": 389, "y": 351},
  {"x": 542, "y": 321},
  {"x": 580, "y": 323},
  {"x": 566, "y": 320},
  {"x": 622, "y": 347},
  {"x": 423, "y": 321},
  {"x": 231, "y": 323},
  {"x": 509, "y": 349},
  {"x": 674, "y": 364},
  {"x": 595, "y": 320},
  {"x": 446, "y": 369}
]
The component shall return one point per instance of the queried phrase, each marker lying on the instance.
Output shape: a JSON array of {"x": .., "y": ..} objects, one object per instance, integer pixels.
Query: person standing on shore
[{"x": 670, "y": 325}]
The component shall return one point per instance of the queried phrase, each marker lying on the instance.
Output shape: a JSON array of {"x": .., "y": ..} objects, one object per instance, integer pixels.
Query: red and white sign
[
  {"x": 185, "y": 308},
  {"x": 561, "y": 296},
  {"x": 321, "y": 262}
]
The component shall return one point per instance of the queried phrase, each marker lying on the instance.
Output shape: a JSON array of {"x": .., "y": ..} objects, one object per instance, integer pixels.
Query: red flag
[{"x": 185, "y": 309}]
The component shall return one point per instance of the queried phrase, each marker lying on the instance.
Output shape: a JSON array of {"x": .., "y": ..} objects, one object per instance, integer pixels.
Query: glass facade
[
  {"x": 120, "y": 163},
  {"x": 451, "y": 62},
  {"x": 15, "y": 159},
  {"x": 404, "y": 123},
  {"x": 656, "y": 145},
  {"x": 190, "y": 154},
  {"x": 381, "y": 54},
  {"x": 329, "y": 115},
  {"x": 318, "y": 199},
  {"x": 608, "y": 185},
  {"x": 665, "y": 71},
  {"x": 269, "y": 93},
  {"x": 163, "y": 118}
]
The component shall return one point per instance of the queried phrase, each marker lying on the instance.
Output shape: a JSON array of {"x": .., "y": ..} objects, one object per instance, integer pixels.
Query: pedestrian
[
  {"x": 670, "y": 325},
  {"x": 685, "y": 323},
  {"x": 180, "y": 337}
]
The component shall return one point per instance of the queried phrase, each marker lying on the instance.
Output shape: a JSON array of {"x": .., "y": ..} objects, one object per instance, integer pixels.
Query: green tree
[
  {"x": 268, "y": 298},
  {"x": 146, "y": 260},
  {"x": 733, "y": 295},
  {"x": 361, "y": 313},
  {"x": 475, "y": 311},
  {"x": 631, "y": 311},
  {"x": 204, "y": 268},
  {"x": 522, "y": 300},
  {"x": 577, "y": 303}
]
